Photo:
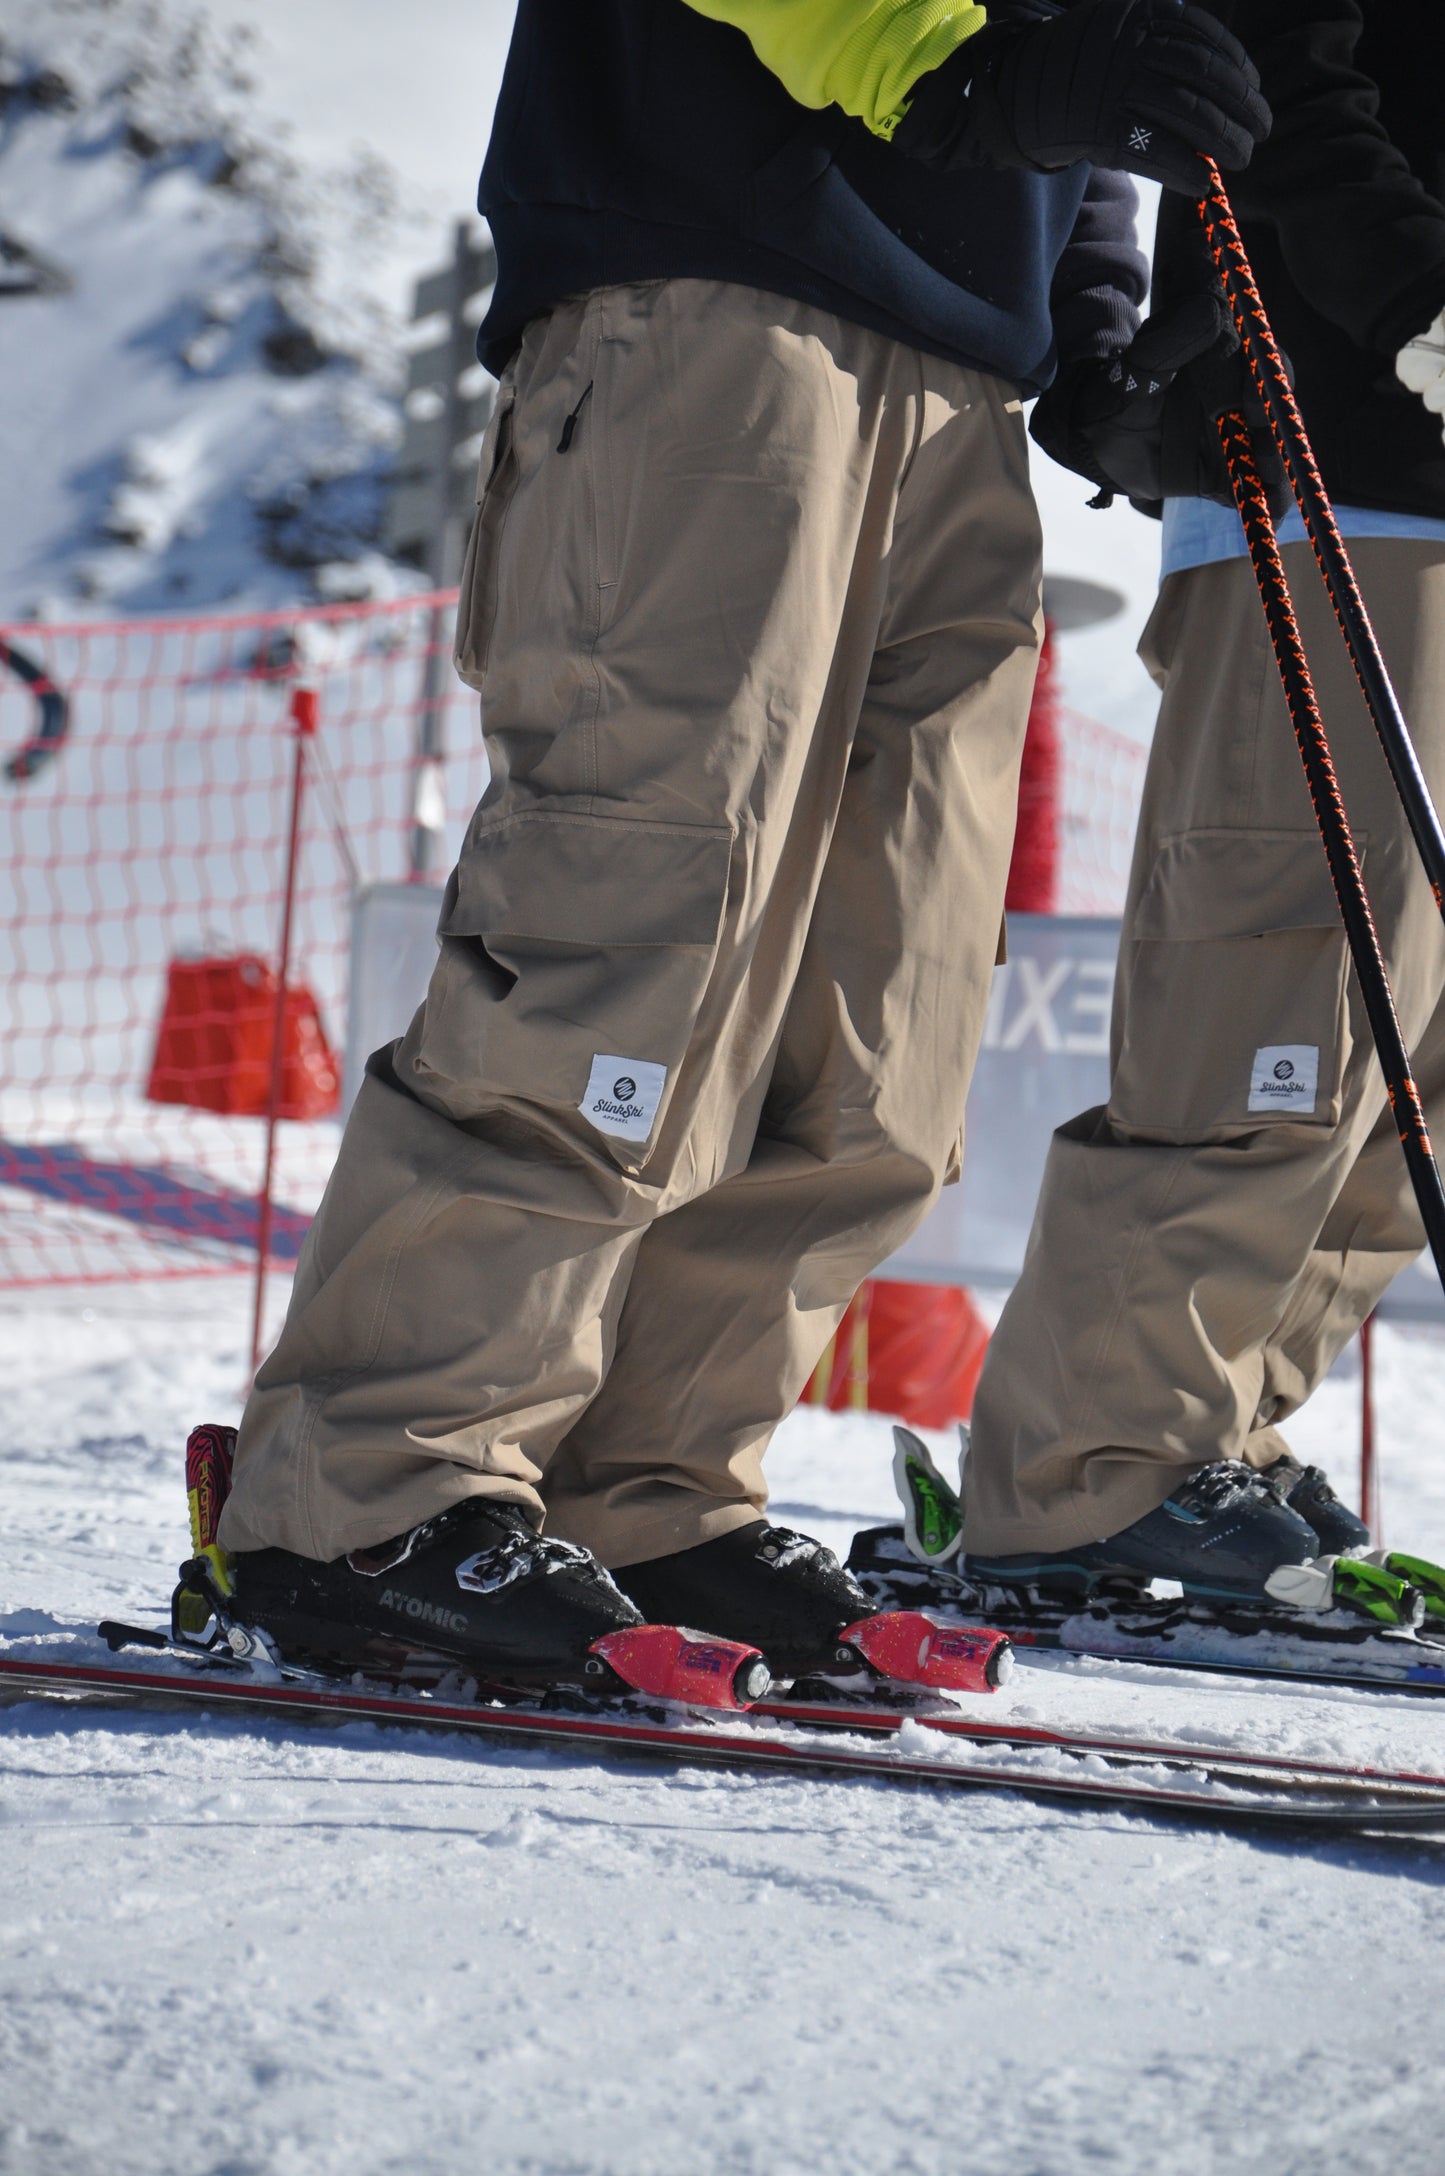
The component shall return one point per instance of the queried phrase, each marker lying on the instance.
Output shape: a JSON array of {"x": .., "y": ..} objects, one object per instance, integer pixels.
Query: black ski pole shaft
[
  {"x": 1266, "y": 365},
  {"x": 1324, "y": 786}
]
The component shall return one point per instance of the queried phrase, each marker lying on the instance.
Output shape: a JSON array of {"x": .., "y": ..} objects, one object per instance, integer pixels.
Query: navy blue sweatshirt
[{"x": 636, "y": 140}]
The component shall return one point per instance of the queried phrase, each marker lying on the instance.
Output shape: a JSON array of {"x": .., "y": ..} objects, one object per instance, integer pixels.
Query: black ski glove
[
  {"x": 1152, "y": 86},
  {"x": 1144, "y": 422}
]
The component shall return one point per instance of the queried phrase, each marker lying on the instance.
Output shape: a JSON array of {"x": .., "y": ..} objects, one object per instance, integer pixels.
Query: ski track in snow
[{"x": 235, "y": 1948}]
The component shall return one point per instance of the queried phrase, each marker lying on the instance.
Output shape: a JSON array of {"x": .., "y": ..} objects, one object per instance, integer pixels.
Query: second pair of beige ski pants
[
  {"x": 753, "y": 605},
  {"x": 1205, "y": 1245}
]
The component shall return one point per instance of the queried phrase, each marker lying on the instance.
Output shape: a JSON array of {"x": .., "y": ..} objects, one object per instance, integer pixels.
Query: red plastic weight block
[
  {"x": 671, "y": 1664},
  {"x": 914, "y": 1648}
]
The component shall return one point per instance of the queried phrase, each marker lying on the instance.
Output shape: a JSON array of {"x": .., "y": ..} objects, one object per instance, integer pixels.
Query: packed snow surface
[
  {"x": 240, "y": 1948},
  {"x": 236, "y": 1948}
]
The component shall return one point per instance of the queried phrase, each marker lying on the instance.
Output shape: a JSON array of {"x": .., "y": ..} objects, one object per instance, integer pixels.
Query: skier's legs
[
  {"x": 673, "y": 610},
  {"x": 733, "y": 1295},
  {"x": 1174, "y": 1225}
]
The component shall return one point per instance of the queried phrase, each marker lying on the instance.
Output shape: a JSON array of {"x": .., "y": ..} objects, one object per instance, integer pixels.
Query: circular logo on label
[
  {"x": 624, "y": 1088},
  {"x": 1284, "y": 1070}
]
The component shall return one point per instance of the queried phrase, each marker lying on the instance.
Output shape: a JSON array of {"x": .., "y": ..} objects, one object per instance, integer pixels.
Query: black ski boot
[
  {"x": 476, "y": 1584},
  {"x": 766, "y": 1585},
  {"x": 1306, "y": 1491},
  {"x": 1221, "y": 1534}
]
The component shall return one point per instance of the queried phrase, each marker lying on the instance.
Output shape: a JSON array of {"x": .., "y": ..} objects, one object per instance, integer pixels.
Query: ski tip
[
  {"x": 932, "y": 1513},
  {"x": 210, "y": 1457},
  {"x": 667, "y": 1662}
]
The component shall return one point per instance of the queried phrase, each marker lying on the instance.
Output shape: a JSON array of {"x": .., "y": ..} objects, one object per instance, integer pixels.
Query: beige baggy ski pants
[
  {"x": 1205, "y": 1244},
  {"x": 752, "y": 600}
]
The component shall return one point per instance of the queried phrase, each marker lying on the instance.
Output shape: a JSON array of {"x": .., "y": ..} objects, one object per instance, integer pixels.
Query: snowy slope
[
  {"x": 198, "y": 392},
  {"x": 416, "y": 87},
  {"x": 232, "y": 1949}
]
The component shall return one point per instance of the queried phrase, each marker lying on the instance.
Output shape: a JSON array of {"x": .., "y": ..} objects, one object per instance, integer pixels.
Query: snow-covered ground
[
  {"x": 257, "y": 1949},
  {"x": 199, "y": 378},
  {"x": 419, "y": 89}
]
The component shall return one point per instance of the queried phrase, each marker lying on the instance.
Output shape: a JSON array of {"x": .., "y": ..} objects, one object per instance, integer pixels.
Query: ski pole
[
  {"x": 1266, "y": 365},
  {"x": 1324, "y": 786}
]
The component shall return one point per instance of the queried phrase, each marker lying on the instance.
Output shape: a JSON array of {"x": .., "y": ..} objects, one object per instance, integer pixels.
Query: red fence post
[
  {"x": 303, "y": 717},
  {"x": 1033, "y": 877}
]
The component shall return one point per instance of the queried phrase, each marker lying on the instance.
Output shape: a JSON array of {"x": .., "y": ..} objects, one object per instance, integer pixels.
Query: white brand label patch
[
  {"x": 1285, "y": 1077},
  {"x": 623, "y": 1095}
]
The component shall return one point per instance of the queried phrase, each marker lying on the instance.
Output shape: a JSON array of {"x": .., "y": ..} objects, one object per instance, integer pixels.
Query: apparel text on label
[
  {"x": 1285, "y": 1077},
  {"x": 622, "y": 1096}
]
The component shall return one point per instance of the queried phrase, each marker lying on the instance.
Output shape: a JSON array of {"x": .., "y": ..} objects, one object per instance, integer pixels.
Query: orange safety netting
[{"x": 146, "y": 775}]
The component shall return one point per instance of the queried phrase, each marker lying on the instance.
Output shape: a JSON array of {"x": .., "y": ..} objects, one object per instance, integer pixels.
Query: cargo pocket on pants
[
  {"x": 477, "y": 590},
  {"x": 576, "y": 953},
  {"x": 1235, "y": 1013}
]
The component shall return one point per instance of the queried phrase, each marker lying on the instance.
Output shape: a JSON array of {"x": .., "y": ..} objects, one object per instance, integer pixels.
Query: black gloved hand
[
  {"x": 1143, "y": 422},
  {"x": 1152, "y": 86}
]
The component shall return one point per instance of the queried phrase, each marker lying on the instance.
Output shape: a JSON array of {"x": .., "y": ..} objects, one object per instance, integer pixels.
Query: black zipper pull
[{"x": 569, "y": 428}]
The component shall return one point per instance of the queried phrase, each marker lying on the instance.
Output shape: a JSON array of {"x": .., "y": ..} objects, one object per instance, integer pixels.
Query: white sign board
[
  {"x": 1044, "y": 1057},
  {"x": 393, "y": 951}
]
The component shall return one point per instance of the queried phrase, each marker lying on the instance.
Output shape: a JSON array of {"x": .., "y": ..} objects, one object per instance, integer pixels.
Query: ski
[
  {"x": 890, "y": 1707},
  {"x": 1330, "y": 1647},
  {"x": 1168, "y": 1780},
  {"x": 884, "y": 1706}
]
